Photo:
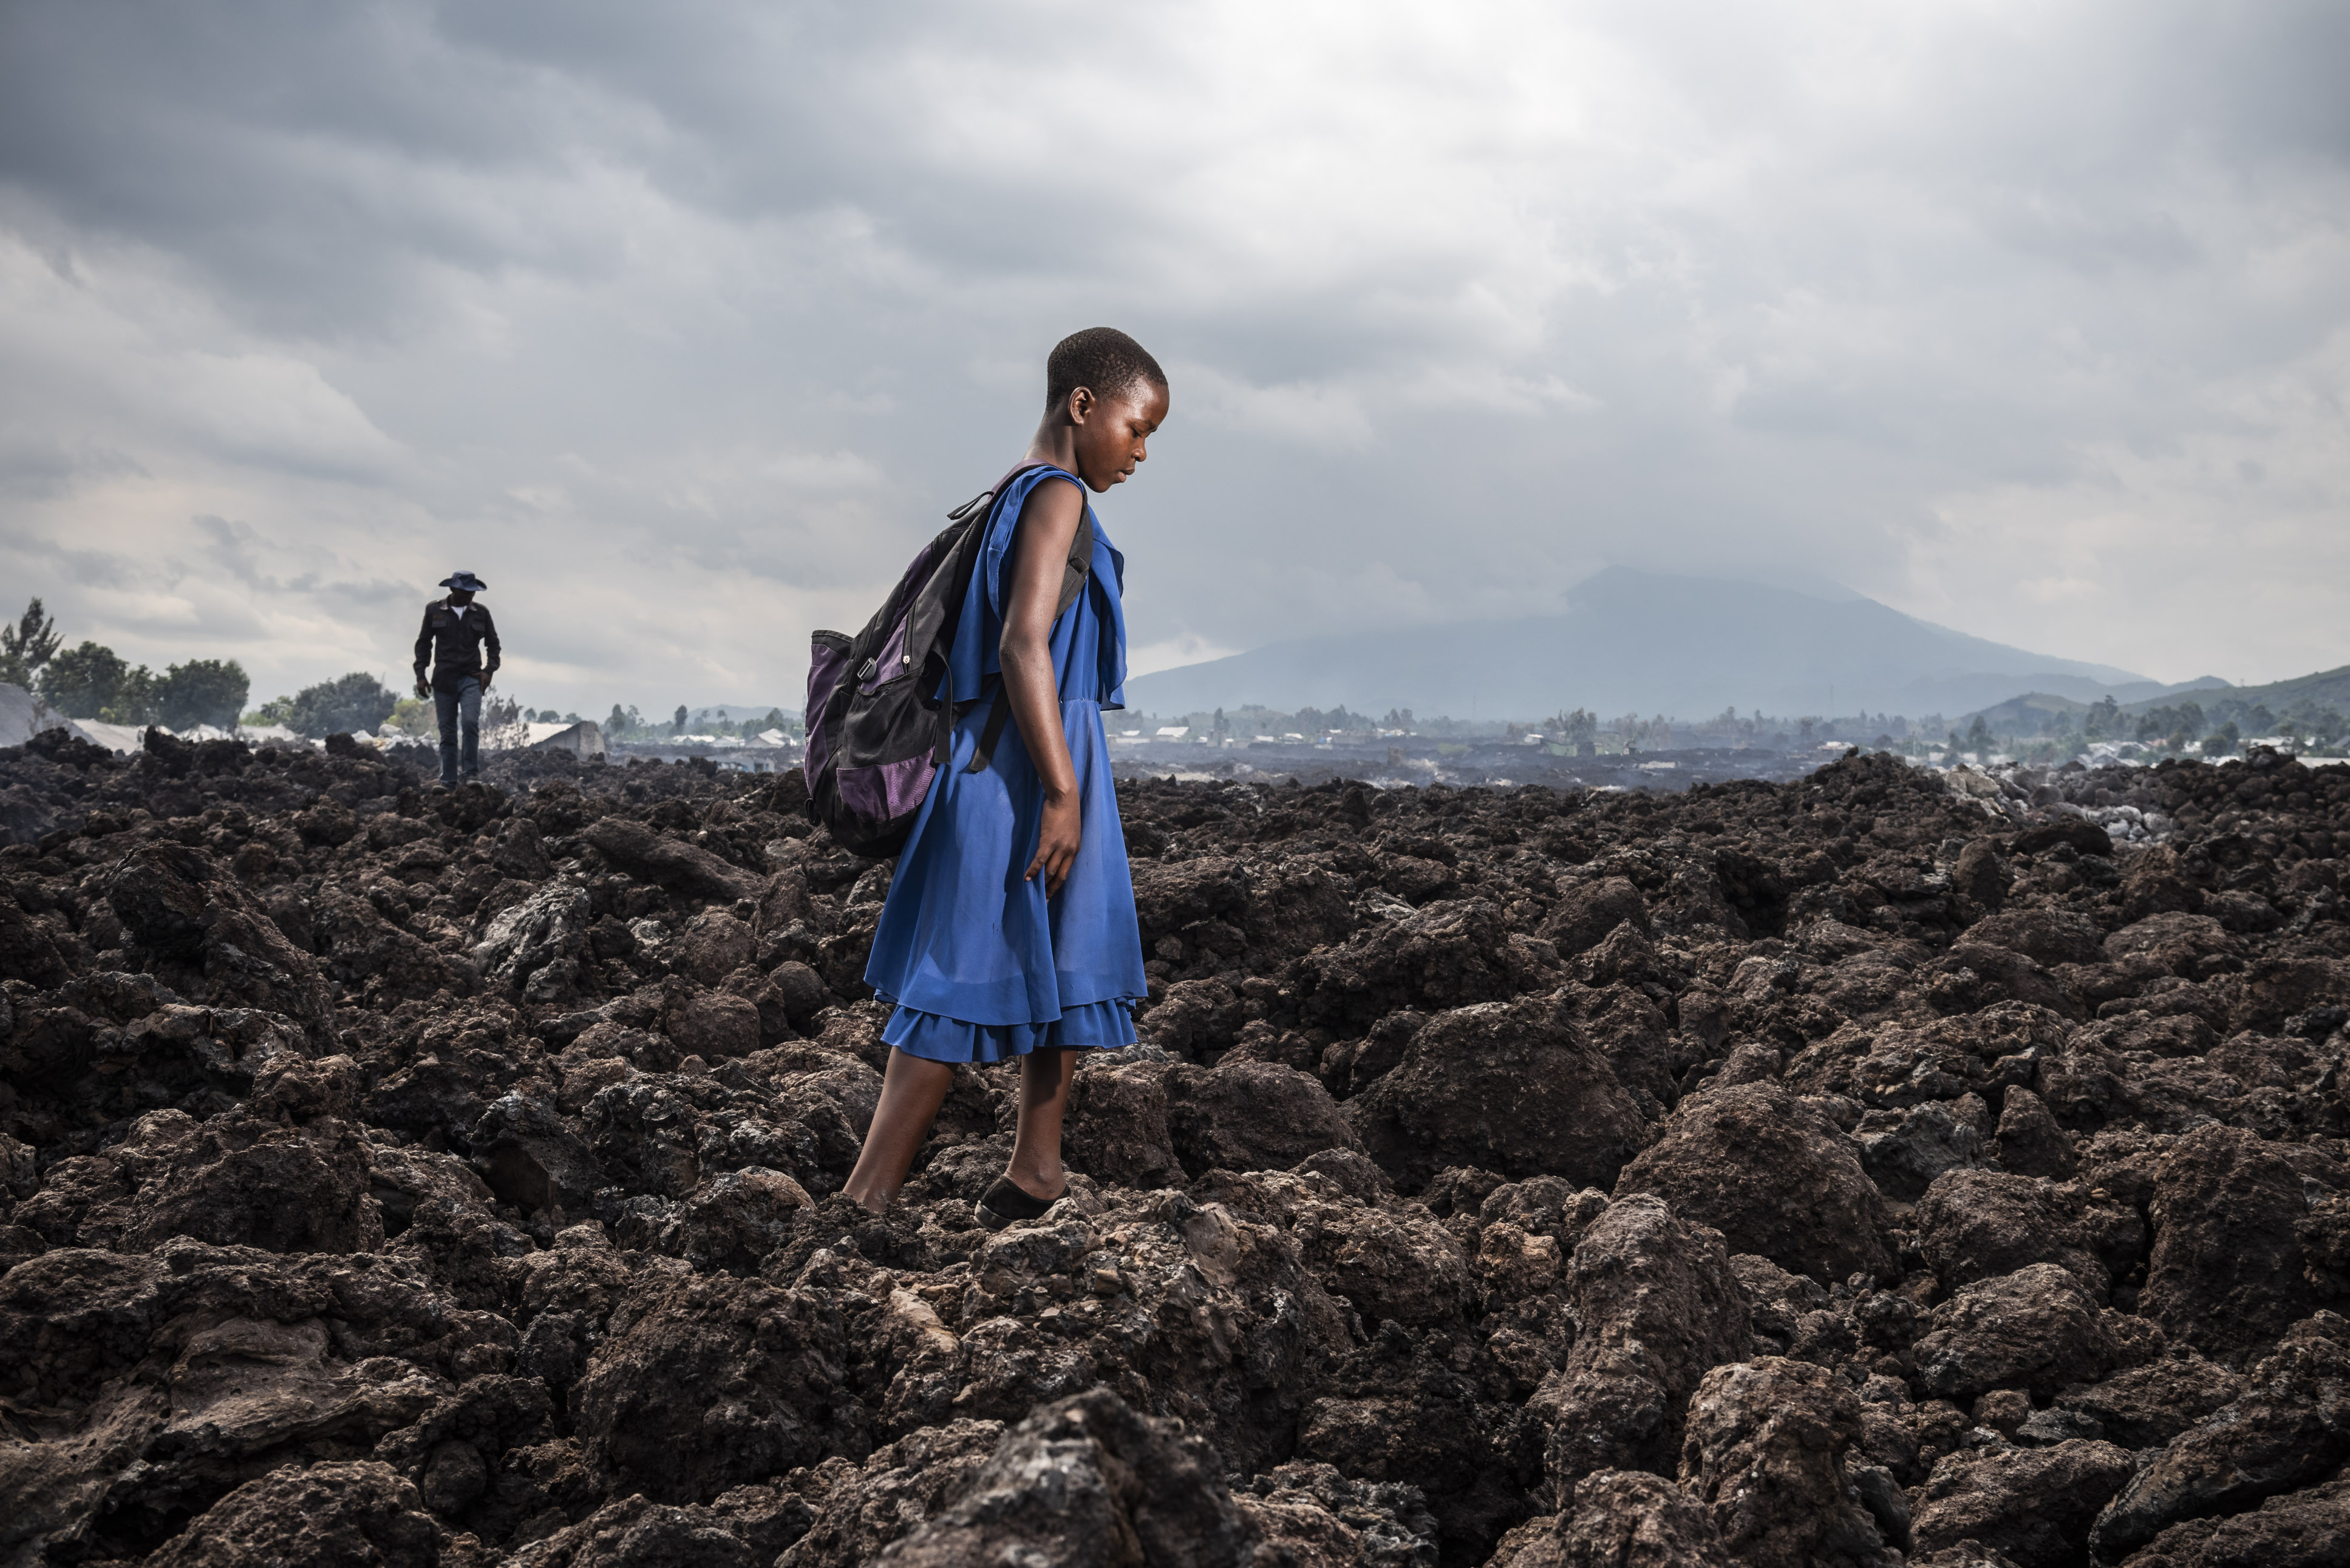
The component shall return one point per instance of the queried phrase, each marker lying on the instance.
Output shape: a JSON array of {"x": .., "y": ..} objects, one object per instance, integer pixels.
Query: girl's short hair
[{"x": 1101, "y": 358}]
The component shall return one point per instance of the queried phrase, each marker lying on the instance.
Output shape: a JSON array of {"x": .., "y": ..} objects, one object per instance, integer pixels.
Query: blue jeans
[{"x": 464, "y": 703}]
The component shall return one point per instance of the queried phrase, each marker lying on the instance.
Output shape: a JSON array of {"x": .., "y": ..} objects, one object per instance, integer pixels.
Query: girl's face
[{"x": 1112, "y": 434}]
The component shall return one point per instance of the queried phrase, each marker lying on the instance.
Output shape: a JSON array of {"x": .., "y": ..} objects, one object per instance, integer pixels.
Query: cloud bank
[{"x": 683, "y": 325}]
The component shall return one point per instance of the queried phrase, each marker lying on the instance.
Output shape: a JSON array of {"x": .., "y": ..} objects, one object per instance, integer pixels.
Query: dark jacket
[{"x": 453, "y": 644}]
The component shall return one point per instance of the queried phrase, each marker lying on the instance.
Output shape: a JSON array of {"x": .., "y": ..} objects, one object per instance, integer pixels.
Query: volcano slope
[{"x": 1870, "y": 1168}]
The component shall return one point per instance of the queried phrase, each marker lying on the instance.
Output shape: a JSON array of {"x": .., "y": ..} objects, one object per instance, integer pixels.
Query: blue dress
[{"x": 979, "y": 965}]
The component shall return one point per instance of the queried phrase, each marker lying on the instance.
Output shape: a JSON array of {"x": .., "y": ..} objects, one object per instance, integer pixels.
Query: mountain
[
  {"x": 1650, "y": 643},
  {"x": 2033, "y": 714},
  {"x": 2326, "y": 689}
]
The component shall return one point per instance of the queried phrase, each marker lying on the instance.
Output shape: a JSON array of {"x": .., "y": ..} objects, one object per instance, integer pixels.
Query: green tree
[
  {"x": 677, "y": 722},
  {"x": 1977, "y": 737},
  {"x": 410, "y": 716},
  {"x": 340, "y": 706},
  {"x": 279, "y": 711},
  {"x": 203, "y": 691},
  {"x": 84, "y": 680},
  {"x": 138, "y": 699},
  {"x": 1573, "y": 727},
  {"x": 2222, "y": 741},
  {"x": 26, "y": 646}
]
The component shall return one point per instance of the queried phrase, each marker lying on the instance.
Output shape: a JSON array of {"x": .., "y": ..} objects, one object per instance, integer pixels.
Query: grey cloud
[{"x": 1464, "y": 312}]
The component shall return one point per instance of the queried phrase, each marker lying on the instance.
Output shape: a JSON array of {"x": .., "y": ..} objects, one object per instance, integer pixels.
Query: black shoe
[{"x": 1005, "y": 1204}]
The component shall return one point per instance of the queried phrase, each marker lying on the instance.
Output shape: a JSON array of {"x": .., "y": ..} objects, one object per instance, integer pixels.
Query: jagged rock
[
  {"x": 299, "y": 1089},
  {"x": 1620, "y": 1518},
  {"x": 1773, "y": 1176},
  {"x": 208, "y": 938},
  {"x": 1765, "y": 1451},
  {"x": 2227, "y": 1274},
  {"x": 636, "y": 1533},
  {"x": 711, "y": 1384},
  {"x": 1982, "y": 876},
  {"x": 2035, "y": 1329},
  {"x": 327, "y": 1514},
  {"x": 1115, "y": 1130},
  {"x": 1589, "y": 912},
  {"x": 1171, "y": 899},
  {"x": 1250, "y": 1116},
  {"x": 562, "y": 1153},
  {"x": 708, "y": 1023},
  {"x": 735, "y": 1219},
  {"x": 2028, "y": 1141},
  {"x": 1449, "y": 954},
  {"x": 2301, "y": 1531},
  {"x": 2034, "y": 1506},
  {"x": 532, "y": 1159},
  {"x": 1083, "y": 1480},
  {"x": 2145, "y": 1406},
  {"x": 1311, "y": 1516},
  {"x": 672, "y": 862},
  {"x": 548, "y": 928},
  {"x": 1660, "y": 1306},
  {"x": 1214, "y": 1312},
  {"x": 899, "y": 1488},
  {"x": 803, "y": 990},
  {"x": 2288, "y": 1430},
  {"x": 714, "y": 945},
  {"x": 233, "y": 1180},
  {"x": 1904, "y": 1159},
  {"x": 1195, "y": 1017},
  {"x": 1391, "y": 1263},
  {"x": 1512, "y": 1087},
  {"x": 27, "y": 952},
  {"x": 1975, "y": 1225}
]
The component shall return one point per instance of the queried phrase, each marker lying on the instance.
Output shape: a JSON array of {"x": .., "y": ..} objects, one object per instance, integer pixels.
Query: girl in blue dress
[{"x": 1010, "y": 928}]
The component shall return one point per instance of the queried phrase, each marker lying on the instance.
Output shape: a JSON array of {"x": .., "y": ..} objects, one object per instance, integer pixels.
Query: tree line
[{"x": 91, "y": 680}]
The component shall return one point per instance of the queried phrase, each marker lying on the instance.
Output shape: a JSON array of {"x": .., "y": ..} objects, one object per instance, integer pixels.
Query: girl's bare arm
[{"x": 1040, "y": 552}]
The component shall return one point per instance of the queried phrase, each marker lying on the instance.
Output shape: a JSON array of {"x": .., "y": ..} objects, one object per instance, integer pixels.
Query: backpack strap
[
  {"x": 985, "y": 752},
  {"x": 1081, "y": 560}
]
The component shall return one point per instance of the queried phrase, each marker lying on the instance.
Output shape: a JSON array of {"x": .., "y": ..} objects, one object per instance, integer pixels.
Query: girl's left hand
[{"x": 1056, "y": 843}]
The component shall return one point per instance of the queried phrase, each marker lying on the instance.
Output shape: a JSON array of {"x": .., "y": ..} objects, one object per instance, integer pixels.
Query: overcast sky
[{"x": 683, "y": 323}]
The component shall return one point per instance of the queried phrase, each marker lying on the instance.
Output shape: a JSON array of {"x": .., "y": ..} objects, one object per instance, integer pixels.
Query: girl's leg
[
  {"x": 912, "y": 1089},
  {"x": 1044, "y": 1078}
]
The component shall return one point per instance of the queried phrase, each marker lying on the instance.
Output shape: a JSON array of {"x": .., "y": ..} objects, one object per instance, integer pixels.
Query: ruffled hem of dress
[{"x": 1091, "y": 1026}]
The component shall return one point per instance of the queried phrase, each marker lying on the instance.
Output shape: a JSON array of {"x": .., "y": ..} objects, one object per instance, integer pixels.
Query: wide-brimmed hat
[{"x": 465, "y": 583}]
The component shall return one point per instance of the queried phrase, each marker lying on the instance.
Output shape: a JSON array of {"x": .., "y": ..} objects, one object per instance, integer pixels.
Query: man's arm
[
  {"x": 489, "y": 641},
  {"x": 423, "y": 651}
]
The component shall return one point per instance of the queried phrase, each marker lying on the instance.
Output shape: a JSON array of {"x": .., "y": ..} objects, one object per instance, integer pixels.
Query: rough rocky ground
[{"x": 1836, "y": 1172}]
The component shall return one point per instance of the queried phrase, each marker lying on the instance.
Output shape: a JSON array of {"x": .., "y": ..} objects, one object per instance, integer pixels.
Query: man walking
[{"x": 456, "y": 630}]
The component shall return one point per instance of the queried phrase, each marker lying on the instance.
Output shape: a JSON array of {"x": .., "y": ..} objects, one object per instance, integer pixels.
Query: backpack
[{"x": 880, "y": 709}]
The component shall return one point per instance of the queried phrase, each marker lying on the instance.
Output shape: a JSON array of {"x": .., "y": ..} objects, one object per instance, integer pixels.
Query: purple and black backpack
[{"x": 880, "y": 710}]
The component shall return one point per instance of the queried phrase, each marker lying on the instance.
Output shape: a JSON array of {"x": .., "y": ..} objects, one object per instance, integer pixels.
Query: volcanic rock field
[{"x": 1883, "y": 1167}]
